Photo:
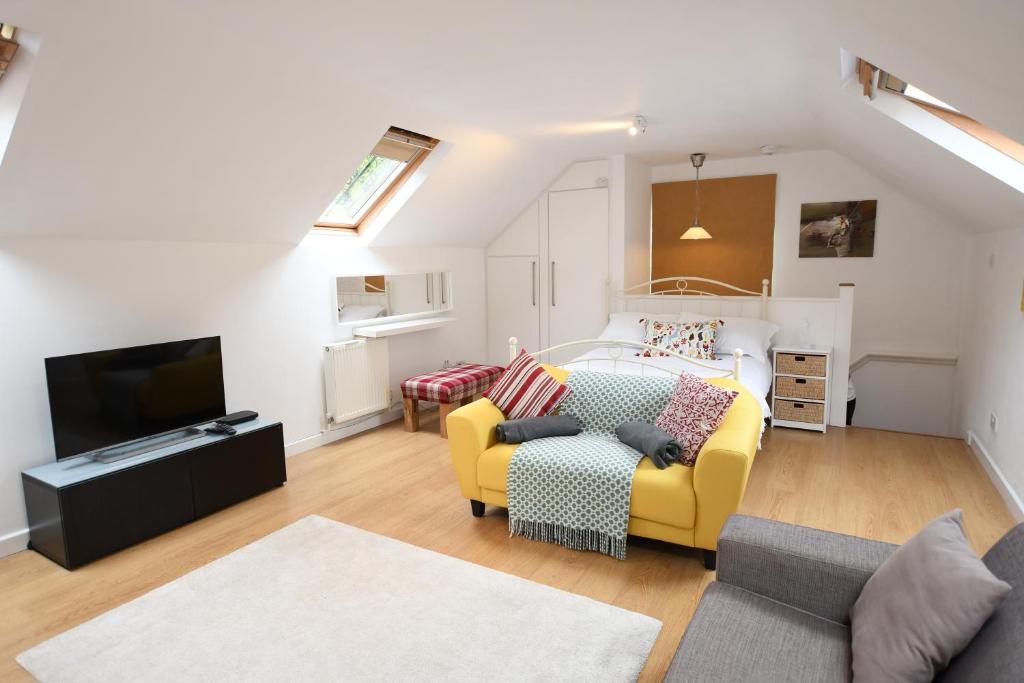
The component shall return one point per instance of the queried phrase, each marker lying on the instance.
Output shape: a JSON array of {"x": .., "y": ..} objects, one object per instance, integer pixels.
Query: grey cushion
[
  {"x": 737, "y": 636},
  {"x": 923, "y": 605},
  {"x": 813, "y": 570},
  {"x": 995, "y": 655}
]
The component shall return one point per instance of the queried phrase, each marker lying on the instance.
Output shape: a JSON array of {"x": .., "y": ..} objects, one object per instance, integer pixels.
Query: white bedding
[{"x": 755, "y": 375}]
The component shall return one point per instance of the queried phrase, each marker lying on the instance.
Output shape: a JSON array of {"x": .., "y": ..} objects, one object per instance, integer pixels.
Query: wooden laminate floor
[{"x": 876, "y": 484}]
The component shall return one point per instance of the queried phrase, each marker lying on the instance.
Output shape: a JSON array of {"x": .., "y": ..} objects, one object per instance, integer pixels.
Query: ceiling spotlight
[
  {"x": 769, "y": 149},
  {"x": 639, "y": 125}
]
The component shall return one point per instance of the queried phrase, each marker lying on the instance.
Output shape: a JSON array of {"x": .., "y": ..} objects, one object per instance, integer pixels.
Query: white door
[
  {"x": 513, "y": 305},
  {"x": 577, "y": 265}
]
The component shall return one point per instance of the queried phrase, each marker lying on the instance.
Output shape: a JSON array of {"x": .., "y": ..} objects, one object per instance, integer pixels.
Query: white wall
[
  {"x": 907, "y": 295},
  {"x": 636, "y": 255},
  {"x": 991, "y": 371},
  {"x": 271, "y": 304}
]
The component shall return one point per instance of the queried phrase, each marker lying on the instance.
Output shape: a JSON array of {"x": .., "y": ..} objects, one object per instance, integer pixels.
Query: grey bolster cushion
[
  {"x": 817, "y": 571},
  {"x": 660, "y": 446},
  {"x": 529, "y": 428}
]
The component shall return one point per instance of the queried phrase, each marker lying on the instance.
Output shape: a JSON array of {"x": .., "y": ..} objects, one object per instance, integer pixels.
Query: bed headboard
[
  {"x": 823, "y": 321},
  {"x": 745, "y": 303}
]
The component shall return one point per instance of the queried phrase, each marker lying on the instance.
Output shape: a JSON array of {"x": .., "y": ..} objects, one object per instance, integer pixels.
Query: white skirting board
[
  {"x": 1013, "y": 502},
  {"x": 331, "y": 435},
  {"x": 13, "y": 542}
]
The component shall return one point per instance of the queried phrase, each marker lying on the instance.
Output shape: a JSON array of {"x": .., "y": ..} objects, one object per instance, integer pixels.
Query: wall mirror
[{"x": 363, "y": 298}]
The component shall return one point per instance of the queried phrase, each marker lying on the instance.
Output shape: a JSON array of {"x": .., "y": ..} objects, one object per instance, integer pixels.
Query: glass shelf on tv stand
[
  {"x": 80, "y": 468},
  {"x": 144, "y": 445}
]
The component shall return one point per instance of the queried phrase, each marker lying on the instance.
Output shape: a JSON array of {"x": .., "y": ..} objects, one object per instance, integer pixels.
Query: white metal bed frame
[
  {"x": 682, "y": 288},
  {"x": 617, "y": 347}
]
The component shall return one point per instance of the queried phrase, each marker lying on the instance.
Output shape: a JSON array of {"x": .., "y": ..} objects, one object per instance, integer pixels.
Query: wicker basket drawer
[
  {"x": 795, "y": 411},
  {"x": 799, "y": 387},
  {"x": 795, "y": 364}
]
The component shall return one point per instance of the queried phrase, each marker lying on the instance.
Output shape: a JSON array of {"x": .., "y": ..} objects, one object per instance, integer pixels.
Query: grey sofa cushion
[
  {"x": 813, "y": 570},
  {"x": 995, "y": 655},
  {"x": 923, "y": 605},
  {"x": 737, "y": 636}
]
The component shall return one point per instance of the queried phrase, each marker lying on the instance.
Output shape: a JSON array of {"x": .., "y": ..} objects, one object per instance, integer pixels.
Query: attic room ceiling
[{"x": 241, "y": 121}]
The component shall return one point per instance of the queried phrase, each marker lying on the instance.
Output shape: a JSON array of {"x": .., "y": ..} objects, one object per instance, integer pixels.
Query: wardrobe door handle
[
  {"x": 427, "y": 276},
  {"x": 552, "y": 283},
  {"x": 533, "y": 281},
  {"x": 444, "y": 297}
]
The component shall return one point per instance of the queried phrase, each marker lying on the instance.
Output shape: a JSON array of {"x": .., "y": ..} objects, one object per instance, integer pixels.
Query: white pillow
[
  {"x": 627, "y": 326},
  {"x": 753, "y": 335}
]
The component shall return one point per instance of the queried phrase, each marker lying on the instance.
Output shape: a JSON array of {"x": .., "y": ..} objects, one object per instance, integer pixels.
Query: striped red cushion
[{"x": 525, "y": 389}]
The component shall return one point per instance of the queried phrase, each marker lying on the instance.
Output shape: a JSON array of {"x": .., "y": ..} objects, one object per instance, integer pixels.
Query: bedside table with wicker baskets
[{"x": 801, "y": 386}]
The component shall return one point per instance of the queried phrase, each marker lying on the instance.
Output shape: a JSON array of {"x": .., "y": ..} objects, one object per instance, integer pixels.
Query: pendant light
[{"x": 696, "y": 231}]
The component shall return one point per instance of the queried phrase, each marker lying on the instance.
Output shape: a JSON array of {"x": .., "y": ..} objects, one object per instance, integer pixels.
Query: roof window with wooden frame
[
  {"x": 377, "y": 179},
  {"x": 874, "y": 80},
  {"x": 8, "y": 46}
]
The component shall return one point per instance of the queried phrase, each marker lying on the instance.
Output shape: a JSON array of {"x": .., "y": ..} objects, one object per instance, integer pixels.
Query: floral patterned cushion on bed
[
  {"x": 691, "y": 339},
  {"x": 694, "y": 411}
]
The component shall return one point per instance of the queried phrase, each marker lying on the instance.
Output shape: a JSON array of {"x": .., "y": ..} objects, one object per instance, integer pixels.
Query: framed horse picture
[{"x": 838, "y": 229}]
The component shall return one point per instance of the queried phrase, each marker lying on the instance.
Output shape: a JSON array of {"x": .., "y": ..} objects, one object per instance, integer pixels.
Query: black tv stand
[{"x": 80, "y": 509}]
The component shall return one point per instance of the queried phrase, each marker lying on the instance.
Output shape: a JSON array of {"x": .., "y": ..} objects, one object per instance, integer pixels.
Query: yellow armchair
[{"x": 682, "y": 505}]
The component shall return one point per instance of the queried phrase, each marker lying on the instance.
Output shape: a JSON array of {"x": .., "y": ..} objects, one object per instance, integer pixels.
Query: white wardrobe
[{"x": 547, "y": 273}]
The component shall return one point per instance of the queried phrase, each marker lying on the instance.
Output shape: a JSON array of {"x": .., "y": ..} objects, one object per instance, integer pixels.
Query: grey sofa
[{"x": 779, "y": 608}]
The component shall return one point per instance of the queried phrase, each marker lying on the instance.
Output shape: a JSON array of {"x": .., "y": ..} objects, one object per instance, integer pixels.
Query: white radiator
[{"x": 356, "y": 379}]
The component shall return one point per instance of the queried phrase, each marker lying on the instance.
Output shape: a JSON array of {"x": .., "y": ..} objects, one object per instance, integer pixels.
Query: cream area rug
[{"x": 322, "y": 601}]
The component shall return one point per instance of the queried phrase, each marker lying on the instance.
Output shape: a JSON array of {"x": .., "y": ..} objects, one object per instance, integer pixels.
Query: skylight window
[
  {"x": 874, "y": 80},
  {"x": 377, "y": 178},
  {"x": 8, "y": 46},
  {"x": 918, "y": 94},
  {"x": 18, "y": 50}
]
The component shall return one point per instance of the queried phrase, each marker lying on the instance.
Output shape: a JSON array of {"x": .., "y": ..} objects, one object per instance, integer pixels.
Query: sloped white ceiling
[{"x": 239, "y": 121}]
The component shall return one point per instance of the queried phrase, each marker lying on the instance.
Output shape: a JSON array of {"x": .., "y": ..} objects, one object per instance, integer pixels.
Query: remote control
[{"x": 220, "y": 428}]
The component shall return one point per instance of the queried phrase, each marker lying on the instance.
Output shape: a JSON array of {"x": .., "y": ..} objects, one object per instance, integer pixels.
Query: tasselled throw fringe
[{"x": 576, "y": 539}]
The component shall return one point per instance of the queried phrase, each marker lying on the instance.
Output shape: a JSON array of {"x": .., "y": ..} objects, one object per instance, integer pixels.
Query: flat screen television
[{"x": 105, "y": 398}]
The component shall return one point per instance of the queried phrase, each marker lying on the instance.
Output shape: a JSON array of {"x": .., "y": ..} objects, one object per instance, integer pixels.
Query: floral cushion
[
  {"x": 526, "y": 389},
  {"x": 691, "y": 339},
  {"x": 694, "y": 411}
]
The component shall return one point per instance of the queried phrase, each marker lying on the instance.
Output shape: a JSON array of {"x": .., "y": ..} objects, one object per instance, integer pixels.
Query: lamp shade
[{"x": 696, "y": 232}]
